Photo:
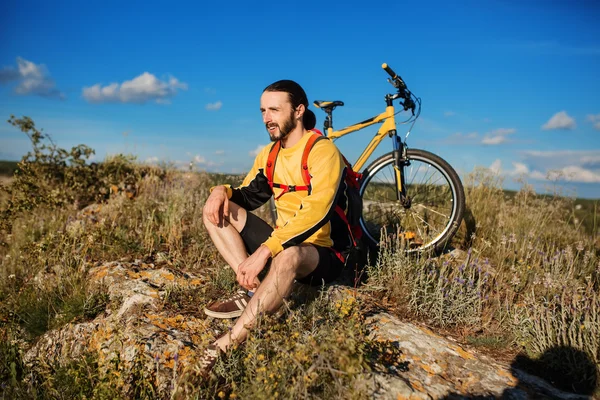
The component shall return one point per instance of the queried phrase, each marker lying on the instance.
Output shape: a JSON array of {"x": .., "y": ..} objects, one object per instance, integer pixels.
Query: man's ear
[{"x": 300, "y": 110}]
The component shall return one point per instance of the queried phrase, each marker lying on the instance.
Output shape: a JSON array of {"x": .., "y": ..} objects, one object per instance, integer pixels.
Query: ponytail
[{"x": 309, "y": 119}]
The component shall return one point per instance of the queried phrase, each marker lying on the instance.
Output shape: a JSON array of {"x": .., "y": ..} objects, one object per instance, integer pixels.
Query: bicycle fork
[{"x": 400, "y": 162}]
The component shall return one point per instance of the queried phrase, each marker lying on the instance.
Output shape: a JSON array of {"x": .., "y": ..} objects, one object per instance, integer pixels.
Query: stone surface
[
  {"x": 135, "y": 333},
  {"x": 440, "y": 368}
]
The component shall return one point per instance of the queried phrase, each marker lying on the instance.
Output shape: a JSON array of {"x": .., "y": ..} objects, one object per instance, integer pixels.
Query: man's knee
[
  {"x": 236, "y": 217},
  {"x": 289, "y": 259}
]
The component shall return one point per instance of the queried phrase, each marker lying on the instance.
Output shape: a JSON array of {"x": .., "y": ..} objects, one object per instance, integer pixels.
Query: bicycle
[{"x": 407, "y": 192}]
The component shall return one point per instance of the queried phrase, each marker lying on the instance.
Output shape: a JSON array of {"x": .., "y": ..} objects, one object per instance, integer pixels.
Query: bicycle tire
[{"x": 433, "y": 225}]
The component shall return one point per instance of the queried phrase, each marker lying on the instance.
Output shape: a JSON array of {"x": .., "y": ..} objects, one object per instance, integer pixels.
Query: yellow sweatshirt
[{"x": 301, "y": 217}]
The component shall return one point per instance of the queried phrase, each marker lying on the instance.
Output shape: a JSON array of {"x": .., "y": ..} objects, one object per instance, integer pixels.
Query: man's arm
[{"x": 326, "y": 168}]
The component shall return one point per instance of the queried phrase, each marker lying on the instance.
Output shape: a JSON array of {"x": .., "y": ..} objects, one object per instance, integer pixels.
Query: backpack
[{"x": 351, "y": 216}]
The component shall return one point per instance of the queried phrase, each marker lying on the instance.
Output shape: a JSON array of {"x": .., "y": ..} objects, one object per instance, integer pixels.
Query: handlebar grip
[{"x": 389, "y": 70}]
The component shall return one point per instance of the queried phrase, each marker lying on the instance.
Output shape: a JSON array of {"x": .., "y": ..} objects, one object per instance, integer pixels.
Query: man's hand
[
  {"x": 217, "y": 205},
  {"x": 248, "y": 271}
]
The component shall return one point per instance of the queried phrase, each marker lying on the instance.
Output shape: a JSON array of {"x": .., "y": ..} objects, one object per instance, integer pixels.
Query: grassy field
[{"x": 529, "y": 282}]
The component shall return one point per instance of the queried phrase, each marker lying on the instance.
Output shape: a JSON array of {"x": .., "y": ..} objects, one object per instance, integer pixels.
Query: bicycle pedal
[{"x": 411, "y": 237}]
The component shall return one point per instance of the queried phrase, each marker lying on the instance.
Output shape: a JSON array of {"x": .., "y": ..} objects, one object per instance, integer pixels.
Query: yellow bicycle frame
[{"x": 389, "y": 125}]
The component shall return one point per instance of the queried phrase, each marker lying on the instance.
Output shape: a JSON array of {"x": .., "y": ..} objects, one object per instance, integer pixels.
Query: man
[{"x": 310, "y": 242}]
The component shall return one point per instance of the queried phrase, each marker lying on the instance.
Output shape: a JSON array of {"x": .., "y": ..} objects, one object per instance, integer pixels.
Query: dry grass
[{"x": 530, "y": 282}]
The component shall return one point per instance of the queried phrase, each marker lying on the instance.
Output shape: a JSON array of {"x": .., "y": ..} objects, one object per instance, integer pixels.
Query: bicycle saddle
[{"x": 327, "y": 106}]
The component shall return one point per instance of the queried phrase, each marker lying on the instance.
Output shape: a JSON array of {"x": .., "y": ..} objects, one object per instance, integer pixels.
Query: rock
[
  {"x": 439, "y": 368},
  {"x": 136, "y": 338}
]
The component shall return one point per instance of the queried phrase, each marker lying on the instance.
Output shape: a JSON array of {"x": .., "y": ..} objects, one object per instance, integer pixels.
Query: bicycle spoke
[
  {"x": 422, "y": 220},
  {"x": 432, "y": 210},
  {"x": 417, "y": 225}
]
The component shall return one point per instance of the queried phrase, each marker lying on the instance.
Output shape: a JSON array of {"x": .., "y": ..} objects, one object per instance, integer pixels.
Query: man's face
[{"x": 278, "y": 115}]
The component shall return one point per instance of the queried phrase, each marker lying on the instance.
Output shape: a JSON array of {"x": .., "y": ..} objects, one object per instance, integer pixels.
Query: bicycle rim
[{"x": 437, "y": 202}]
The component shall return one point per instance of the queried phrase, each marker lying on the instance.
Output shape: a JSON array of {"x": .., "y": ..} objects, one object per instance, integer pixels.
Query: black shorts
[{"x": 256, "y": 232}]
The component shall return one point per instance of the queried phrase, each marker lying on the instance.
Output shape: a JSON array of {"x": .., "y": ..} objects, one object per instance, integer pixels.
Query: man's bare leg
[
  {"x": 292, "y": 263},
  {"x": 226, "y": 236}
]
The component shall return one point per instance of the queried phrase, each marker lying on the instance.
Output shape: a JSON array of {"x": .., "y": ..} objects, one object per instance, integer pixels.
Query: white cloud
[
  {"x": 595, "y": 120},
  {"x": 560, "y": 120},
  {"x": 519, "y": 169},
  {"x": 203, "y": 161},
  {"x": 493, "y": 140},
  {"x": 152, "y": 160},
  {"x": 32, "y": 79},
  {"x": 496, "y": 166},
  {"x": 449, "y": 113},
  {"x": 577, "y": 166},
  {"x": 214, "y": 106},
  {"x": 579, "y": 174},
  {"x": 141, "y": 89},
  {"x": 219, "y": 152},
  {"x": 462, "y": 137},
  {"x": 497, "y": 136},
  {"x": 255, "y": 152},
  {"x": 589, "y": 159}
]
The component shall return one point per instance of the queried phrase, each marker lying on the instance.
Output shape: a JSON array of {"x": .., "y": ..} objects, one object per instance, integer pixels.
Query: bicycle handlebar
[
  {"x": 403, "y": 91},
  {"x": 389, "y": 70},
  {"x": 396, "y": 80}
]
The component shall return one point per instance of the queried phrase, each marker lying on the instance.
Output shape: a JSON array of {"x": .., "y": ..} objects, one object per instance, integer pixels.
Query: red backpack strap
[
  {"x": 271, "y": 162},
  {"x": 307, "y": 148}
]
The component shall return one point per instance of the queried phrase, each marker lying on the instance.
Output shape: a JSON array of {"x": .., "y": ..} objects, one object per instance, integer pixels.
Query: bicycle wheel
[{"x": 437, "y": 202}]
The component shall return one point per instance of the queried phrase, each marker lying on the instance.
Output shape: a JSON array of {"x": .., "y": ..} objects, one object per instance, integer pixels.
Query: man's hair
[{"x": 297, "y": 96}]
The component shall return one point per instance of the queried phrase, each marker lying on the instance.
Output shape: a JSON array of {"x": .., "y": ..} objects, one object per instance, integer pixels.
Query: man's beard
[{"x": 288, "y": 126}]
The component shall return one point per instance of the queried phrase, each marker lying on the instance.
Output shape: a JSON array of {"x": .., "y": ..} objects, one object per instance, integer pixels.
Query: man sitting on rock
[{"x": 311, "y": 240}]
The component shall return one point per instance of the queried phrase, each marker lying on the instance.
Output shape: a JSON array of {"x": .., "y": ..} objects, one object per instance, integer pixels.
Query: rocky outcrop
[
  {"x": 134, "y": 334},
  {"x": 438, "y": 367},
  {"x": 137, "y": 338}
]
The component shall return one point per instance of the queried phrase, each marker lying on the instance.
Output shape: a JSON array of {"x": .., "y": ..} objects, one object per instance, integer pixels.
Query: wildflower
[
  {"x": 503, "y": 240},
  {"x": 569, "y": 252},
  {"x": 12, "y": 276},
  {"x": 221, "y": 394},
  {"x": 515, "y": 280},
  {"x": 513, "y": 238}
]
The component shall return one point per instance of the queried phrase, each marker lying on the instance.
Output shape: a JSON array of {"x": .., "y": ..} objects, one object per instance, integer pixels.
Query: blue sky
[{"x": 507, "y": 85}]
